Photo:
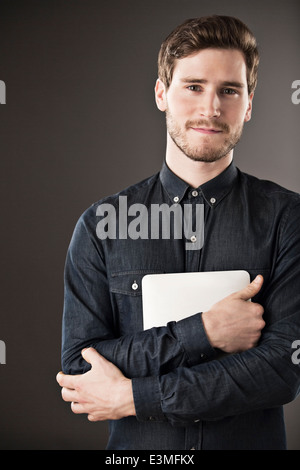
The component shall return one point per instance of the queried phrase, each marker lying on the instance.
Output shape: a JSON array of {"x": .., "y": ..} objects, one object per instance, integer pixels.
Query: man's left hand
[{"x": 102, "y": 393}]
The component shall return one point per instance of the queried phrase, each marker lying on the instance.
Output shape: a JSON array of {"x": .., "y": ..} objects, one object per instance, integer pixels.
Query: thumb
[{"x": 252, "y": 289}]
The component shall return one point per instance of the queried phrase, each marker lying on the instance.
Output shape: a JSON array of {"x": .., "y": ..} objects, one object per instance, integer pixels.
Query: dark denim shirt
[{"x": 187, "y": 395}]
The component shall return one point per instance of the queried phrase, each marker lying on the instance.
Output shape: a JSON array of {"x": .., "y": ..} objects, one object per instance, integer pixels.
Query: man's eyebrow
[
  {"x": 234, "y": 84},
  {"x": 204, "y": 81},
  {"x": 193, "y": 80}
]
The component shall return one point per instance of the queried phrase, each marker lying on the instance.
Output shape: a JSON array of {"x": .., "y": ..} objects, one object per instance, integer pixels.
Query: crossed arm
[{"x": 103, "y": 392}]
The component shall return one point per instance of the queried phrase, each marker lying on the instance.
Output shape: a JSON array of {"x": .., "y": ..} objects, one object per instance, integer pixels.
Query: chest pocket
[{"x": 126, "y": 297}]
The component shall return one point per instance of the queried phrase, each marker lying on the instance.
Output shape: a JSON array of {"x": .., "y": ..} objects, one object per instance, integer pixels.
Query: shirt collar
[{"x": 213, "y": 191}]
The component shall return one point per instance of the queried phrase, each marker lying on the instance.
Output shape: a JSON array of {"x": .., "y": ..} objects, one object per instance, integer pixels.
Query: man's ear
[
  {"x": 249, "y": 108},
  {"x": 160, "y": 95}
]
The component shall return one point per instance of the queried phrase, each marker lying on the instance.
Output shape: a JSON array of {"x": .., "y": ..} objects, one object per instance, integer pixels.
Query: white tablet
[{"x": 172, "y": 297}]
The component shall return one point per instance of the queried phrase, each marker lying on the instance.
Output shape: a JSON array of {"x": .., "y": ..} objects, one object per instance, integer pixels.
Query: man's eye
[
  {"x": 194, "y": 88},
  {"x": 229, "y": 91}
]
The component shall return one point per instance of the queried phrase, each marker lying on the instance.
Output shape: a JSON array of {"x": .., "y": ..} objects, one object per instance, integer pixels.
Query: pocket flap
[{"x": 129, "y": 282}]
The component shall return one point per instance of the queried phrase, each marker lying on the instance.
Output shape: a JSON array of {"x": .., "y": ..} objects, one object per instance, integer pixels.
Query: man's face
[{"x": 207, "y": 103}]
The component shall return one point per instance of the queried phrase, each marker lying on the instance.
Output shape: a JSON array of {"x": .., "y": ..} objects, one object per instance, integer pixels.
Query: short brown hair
[{"x": 221, "y": 32}]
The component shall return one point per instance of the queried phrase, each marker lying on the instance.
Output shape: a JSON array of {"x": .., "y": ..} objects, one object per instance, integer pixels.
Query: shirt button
[
  {"x": 193, "y": 239},
  {"x": 194, "y": 193},
  {"x": 212, "y": 200},
  {"x": 176, "y": 199},
  {"x": 134, "y": 286}
]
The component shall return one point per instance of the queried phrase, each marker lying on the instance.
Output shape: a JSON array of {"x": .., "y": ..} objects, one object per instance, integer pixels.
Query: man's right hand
[{"x": 234, "y": 324}]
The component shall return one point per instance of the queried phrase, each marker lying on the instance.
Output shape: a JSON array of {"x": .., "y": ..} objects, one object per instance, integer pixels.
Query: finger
[
  {"x": 94, "y": 418},
  {"x": 60, "y": 378},
  {"x": 78, "y": 408},
  {"x": 67, "y": 381},
  {"x": 252, "y": 289},
  {"x": 69, "y": 394},
  {"x": 91, "y": 356}
]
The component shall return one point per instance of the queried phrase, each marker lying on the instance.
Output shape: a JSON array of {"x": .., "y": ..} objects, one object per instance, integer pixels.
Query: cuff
[
  {"x": 147, "y": 401},
  {"x": 191, "y": 333}
]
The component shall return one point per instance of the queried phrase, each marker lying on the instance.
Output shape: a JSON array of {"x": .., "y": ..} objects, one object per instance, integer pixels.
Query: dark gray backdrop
[{"x": 80, "y": 123}]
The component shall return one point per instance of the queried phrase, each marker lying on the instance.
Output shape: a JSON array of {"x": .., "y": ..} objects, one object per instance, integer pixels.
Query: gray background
[{"x": 80, "y": 123}]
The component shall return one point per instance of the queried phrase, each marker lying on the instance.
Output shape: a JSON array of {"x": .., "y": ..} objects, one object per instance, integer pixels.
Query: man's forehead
[{"x": 228, "y": 64}]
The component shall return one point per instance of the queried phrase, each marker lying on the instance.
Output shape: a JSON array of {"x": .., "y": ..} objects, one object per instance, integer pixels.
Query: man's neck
[{"x": 192, "y": 172}]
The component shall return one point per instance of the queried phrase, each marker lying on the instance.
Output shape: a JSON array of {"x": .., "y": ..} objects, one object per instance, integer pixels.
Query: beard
[{"x": 206, "y": 151}]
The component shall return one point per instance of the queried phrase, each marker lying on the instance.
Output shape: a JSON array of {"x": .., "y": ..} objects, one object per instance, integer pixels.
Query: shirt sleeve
[
  {"x": 88, "y": 320},
  {"x": 262, "y": 377}
]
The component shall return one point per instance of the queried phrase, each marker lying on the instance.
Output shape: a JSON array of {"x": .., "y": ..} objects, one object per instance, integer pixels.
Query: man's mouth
[{"x": 206, "y": 130}]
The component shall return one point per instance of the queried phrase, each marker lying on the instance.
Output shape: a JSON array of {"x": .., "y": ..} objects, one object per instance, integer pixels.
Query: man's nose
[{"x": 209, "y": 106}]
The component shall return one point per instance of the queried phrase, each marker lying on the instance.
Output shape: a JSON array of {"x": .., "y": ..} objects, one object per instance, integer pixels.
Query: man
[{"x": 170, "y": 385}]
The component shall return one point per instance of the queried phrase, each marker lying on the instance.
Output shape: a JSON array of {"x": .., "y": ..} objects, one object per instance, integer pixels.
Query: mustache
[{"x": 220, "y": 126}]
